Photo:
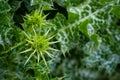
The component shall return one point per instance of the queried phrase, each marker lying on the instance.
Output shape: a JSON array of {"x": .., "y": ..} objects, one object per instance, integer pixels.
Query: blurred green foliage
[{"x": 89, "y": 42}]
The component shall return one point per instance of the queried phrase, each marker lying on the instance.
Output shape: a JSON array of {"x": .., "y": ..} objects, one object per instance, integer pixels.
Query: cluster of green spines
[
  {"x": 38, "y": 41},
  {"x": 35, "y": 19}
]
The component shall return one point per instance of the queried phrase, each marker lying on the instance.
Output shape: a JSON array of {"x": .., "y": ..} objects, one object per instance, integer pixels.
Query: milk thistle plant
[{"x": 39, "y": 43}]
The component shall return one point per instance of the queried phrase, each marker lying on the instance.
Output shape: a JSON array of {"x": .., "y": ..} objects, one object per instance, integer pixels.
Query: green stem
[{"x": 6, "y": 52}]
